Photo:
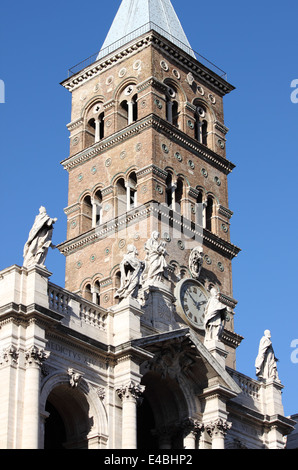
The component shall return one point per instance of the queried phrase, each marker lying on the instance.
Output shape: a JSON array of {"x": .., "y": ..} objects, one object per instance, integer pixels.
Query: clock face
[{"x": 192, "y": 299}]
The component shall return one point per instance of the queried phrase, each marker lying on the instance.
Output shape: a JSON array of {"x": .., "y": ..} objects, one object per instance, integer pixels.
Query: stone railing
[
  {"x": 68, "y": 304},
  {"x": 250, "y": 387}
]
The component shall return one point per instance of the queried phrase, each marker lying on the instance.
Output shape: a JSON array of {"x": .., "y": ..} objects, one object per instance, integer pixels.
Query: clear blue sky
[{"x": 256, "y": 44}]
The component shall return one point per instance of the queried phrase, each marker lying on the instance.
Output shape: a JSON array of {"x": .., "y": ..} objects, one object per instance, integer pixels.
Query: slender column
[
  {"x": 170, "y": 111},
  {"x": 217, "y": 430},
  {"x": 97, "y": 130},
  {"x": 130, "y": 111},
  {"x": 31, "y": 423},
  {"x": 130, "y": 395}
]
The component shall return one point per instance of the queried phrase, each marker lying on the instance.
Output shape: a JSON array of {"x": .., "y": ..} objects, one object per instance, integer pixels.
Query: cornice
[
  {"x": 158, "y": 41},
  {"x": 134, "y": 216},
  {"x": 160, "y": 125}
]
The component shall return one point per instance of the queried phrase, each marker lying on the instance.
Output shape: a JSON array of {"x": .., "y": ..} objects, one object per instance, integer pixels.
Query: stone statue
[
  {"x": 196, "y": 262},
  {"x": 215, "y": 316},
  {"x": 266, "y": 361},
  {"x": 155, "y": 259},
  {"x": 39, "y": 240},
  {"x": 131, "y": 269}
]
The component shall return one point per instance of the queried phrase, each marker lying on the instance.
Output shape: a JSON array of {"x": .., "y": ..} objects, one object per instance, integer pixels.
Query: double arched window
[
  {"x": 128, "y": 106},
  {"x": 174, "y": 193},
  {"x": 95, "y": 128},
  {"x": 91, "y": 211},
  {"x": 126, "y": 193},
  {"x": 91, "y": 292}
]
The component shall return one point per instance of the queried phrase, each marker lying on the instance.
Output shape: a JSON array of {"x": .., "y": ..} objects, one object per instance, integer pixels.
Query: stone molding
[
  {"x": 160, "y": 43},
  {"x": 162, "y": 126}
]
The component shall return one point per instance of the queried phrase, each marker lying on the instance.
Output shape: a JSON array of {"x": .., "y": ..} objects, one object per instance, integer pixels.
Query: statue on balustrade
[
  {"x": 155, "y": 261},
  {"x": 265, "y": 363},
  {"x": 215, "y": 317},
  {"x": 131, "y": 269},
  {"x": 39, "y": 240}
]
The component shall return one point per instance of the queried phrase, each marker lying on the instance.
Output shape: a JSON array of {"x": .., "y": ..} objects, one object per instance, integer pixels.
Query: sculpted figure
[
  {"x": 266, "y": 361},
  {"x": 131, "y": 269},
  {"x": 155, "y": 258},
  {"x": 196, "y": 261},
  {"x": 215, "y": 315},
  {"x": 39, "y": 240}
]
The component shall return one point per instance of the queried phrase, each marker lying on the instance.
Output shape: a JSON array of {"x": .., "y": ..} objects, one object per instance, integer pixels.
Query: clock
[{"x": 192, "y": 299}]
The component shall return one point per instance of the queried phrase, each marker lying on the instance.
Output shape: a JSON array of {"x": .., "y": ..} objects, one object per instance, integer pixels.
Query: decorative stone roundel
[
  {"x": 201, "y": 90},
  {"x": 217, "y": 180},
  {"x": 122, "y": 243},
  {"x": 191, "y": 164},
  {"x": 165, "y": 148},
  {"x": 181, "y": 245},
  {"x": 221, "y": 267},
  {"x": 208, "y": 259},
  {"x": 164, "y": 65},
  {"x": 178, "y": 156},
  {"x": 204, "y": 173},
  {"x": 122, "y": 72},
  {"x": 212, "y": 98},
  {"x": 137, "y": 64},
  {"x": 176, "y": 74},
  {"x": 108, "y": 162}
]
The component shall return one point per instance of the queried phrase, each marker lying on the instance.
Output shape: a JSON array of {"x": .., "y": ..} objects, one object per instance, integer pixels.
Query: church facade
[{"x": 138, "y": 350}]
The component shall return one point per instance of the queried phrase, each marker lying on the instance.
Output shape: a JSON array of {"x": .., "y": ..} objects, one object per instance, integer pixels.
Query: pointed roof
[{"x": 136, "y": 17}]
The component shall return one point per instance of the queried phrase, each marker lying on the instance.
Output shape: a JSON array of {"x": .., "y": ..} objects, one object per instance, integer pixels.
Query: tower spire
[{"x": 136, "y": 17}]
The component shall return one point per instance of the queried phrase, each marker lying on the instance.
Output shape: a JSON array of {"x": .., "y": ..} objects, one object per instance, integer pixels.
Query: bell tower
[{"x": 148, "y": 154}]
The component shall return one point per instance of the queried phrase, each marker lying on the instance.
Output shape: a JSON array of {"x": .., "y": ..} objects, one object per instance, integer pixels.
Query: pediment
[{"x": 180, "y": 353}]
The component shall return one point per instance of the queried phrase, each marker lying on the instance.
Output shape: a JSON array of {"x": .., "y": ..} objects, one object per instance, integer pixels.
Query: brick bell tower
[{"x": 148, "y": 153}]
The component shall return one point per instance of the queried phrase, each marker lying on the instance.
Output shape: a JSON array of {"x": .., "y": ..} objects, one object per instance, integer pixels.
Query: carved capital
[
  {"x": 9, "y": 355},
  {"x": 35, "y": 355},
  {"x": 130, "y": 391},
  {"x": 192, "y": 426},
  {"x": 219, "y": 427}
]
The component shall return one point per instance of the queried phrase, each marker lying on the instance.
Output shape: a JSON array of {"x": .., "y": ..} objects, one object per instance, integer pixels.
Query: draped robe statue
[
  {"x": 131, "y": 269},
  {"x": 155, "y": 259},
  {"x": 39, "y": 240},
  {"x": 215, "y": 315},
  {"x": 266, "y": 361}
]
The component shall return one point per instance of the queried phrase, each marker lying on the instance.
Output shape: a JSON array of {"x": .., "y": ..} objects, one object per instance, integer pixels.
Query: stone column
[
  {"x": 192, "y": 429},
  {"x": 34, "y": 358},
  {"x": 217, "y": 430},
  {"x": 130, "y": 395}
]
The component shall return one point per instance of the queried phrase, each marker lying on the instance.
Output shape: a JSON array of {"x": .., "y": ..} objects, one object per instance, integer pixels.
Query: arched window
[
  {"x": 95, "y": 123},
  {"x": 128, "y": 109},
  {"x": 200, "y": 210},
  {"x": 201, "y": 125},
  {"x": 126, "y": 194},
  {"x": 131, "y": 188},
  {"x": 209, "y": 213},
  {"x": 172, "y": 109},
  {"x": 86, "y": 212},
  {"x": 88, "y": 293},
  {"x": 96, "y": 293},
  {"x": 97, "y": 209},
  {"x": 178, "y": 195},
  {"x": 120, "y": 197},
  {"x": 169, "y": 191}
]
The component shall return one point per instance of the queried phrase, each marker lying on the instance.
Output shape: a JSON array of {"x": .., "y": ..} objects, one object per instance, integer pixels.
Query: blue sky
[{"x": 256, "y": 44}]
